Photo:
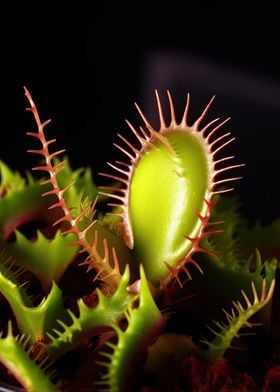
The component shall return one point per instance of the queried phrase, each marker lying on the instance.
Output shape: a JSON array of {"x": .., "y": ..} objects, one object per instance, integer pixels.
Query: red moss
[
  {"x": 272, "y": 380},
  {"x": 201, "y": 377}
]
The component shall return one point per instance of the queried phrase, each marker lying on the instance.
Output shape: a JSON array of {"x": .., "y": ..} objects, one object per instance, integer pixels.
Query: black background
[{"x": 86, "y": 63}]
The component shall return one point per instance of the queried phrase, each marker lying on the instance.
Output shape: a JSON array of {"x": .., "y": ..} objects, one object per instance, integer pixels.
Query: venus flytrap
[
  {"x": 55, "y": 261},
  {"x": 30, "y": 374},
  {"x": 144, "y": 322},
  {"x": 170, "y": 243},
  {"x": 235, "y": 320},
  {"x": 183, "y": 157},
  {"x": 107, "y": 313},
  {"x": 32, "y": 321},
  {"x": 99, "y": 252}
]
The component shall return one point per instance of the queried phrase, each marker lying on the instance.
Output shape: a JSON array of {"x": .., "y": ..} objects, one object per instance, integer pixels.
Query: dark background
[{"x": 86, "y": 63}]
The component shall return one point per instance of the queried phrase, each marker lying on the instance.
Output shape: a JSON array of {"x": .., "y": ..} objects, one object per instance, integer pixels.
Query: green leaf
[
  {"x": 213, "y": 290},
  {"x": 22, "y": 367},
  {"x": 20, "y": 207},
  {"x": 46, "y": 258},
  {"x": 237, "y": 319},
  {"x": 143, "y": 323},
  {"x": 107, "y": 312},
  {"x": 33, "y": 321}
]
